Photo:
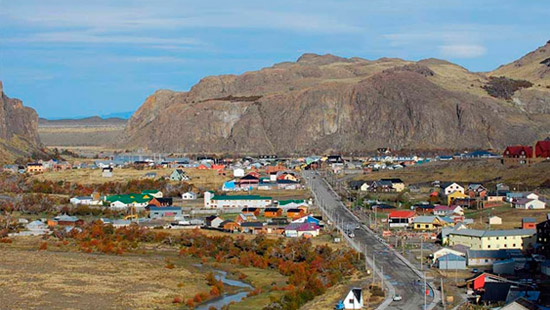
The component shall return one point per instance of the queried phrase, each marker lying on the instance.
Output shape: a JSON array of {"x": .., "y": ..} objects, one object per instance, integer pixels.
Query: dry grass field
[
  {"x": 208, "y": 179},
  {"x": 32, "y": 279},
  {"x": 487, "y": 171},
  {"x": 511, "y": 218}
]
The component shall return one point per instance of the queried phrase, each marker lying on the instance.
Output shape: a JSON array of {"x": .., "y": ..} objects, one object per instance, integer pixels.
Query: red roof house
[
  {"x": 518, "y": 151},
  {"x": 401, "y": 218}
]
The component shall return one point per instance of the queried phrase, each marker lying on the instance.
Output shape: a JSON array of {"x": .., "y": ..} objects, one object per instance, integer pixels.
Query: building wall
[
  {"x": 451, "y": 265},
  {"x": 488, "y": 243}
]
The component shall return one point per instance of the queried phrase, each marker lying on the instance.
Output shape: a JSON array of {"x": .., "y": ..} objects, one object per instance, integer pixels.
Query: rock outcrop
[
  {"x": 18, "y": 129},
  {"x": 324, "y": 103}
]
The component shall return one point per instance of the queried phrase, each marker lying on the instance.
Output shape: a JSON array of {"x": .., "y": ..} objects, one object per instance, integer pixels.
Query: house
[
  {"x": 302, "y": 229},
  {"x": 253, "y": 227},
  {"x": 249, "y": 210},
  {"x": 381, "y": 186},
  {"x": 424, "y": 208},
  {"x": 189, "y": 196},
  {"x": 455, "y": 195},
  {"x": 292, "y": 203},
  {"x": 249, "y": 181},
  {"x": 295, "y": 213},
  {"x": 65, "y": 220},
  {"x": 543, "y": 236},
  {"x": 444, "y": 251},
  {"x": 528, "y": 204},
  {"x": 238, "y": 172},
  {"x": 107, "y": 172},
  {"x": 451, "y": 262},
  {"x": 307, "y": 219},
  {"x": 163, "y": 212},
  {"x": 478, "y": 258},
  {"x": 430, "y": 222},
  {"x": 528, "y": 223},
  {"x": 401, "y": 218},
  {"x": 242, "y": 218},
  {"x": 518, "y": 151},
  {"x": 153, "y": 192},
  {"x": 213, "y": 221},
  {"x": 397, "y": 184},
  {"x": 130, "y": 200},
  {"x": 354, "y": 299},
  {"x": 448, "y": 210},
  {"x": 477, "y": 190},
  {"x": 229, "y": 186},
  {"x": 85, "y": 200},
  {"x": 502, "y": 189},
  {"x": 449, "y": 188},
  {"x": 161, "y": 202},
  {"x": 273, "y": 212},
  {"x": 178, "y": 175},
  {"x": 35, "y": 168},
  {"x": 495, "y": 220},
  {"x": 356, "y": 185},
  {"x": 212, "y": 201},
  {"x": 229, "y": 226},
  {"x": 492, "y": 239}
]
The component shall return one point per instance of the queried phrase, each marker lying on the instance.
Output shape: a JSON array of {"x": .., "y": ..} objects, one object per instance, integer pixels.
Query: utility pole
[
  {"x": 442, "y": 294},
  {"x": 421, "y": 253}
]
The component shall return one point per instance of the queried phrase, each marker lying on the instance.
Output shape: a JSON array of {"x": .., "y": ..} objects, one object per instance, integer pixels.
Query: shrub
[
  {"x": 177, "y": 300},
  {"x": 43, "y": 246},
  {"x": 502, "y": 87}
]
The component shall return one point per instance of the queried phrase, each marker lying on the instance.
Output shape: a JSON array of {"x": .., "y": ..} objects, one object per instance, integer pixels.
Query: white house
[
  {"x": 85, "y": 200},
  {"x": 449, "y": 188},
  {"x": 212, "y": 201},
  {"x": 354, "y": 299},
  {"x": 189, "y": 196},
  {"x": 107, "y": 172},
  {"x": 444, "y": 251},
  {"x": 364, "y": 187},
  {"x": 238, "y": 172},
  {"x": 529, "y": 204}
]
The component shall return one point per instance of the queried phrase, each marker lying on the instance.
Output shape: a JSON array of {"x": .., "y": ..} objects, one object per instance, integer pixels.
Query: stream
[{"x": 226, "y": 298}]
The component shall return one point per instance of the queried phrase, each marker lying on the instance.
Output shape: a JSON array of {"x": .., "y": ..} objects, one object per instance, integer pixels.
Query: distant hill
[
  {"x": 325, "y": 103},
  {"x": 94, "y": 121}
]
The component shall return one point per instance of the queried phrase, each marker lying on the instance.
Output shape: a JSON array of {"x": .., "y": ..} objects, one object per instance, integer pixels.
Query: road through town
[{"x": 397, "y": 273}]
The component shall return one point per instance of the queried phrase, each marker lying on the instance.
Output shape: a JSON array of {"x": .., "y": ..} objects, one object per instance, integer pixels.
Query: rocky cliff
[
  {"x": 323, "y": 103},
  {"x": 18, "y": 129}
]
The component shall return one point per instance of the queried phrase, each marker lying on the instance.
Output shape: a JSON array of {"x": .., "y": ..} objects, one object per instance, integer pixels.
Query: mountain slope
[
  {"x": 323, "y": 103},
  {"x": 18, "y": 129}
]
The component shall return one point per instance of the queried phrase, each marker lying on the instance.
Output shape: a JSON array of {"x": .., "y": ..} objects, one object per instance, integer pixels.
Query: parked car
[{"x": 397, "y": 298}]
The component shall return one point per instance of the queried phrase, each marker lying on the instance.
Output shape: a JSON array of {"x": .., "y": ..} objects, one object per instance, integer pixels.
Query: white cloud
[{"x": 462, "y": 50}]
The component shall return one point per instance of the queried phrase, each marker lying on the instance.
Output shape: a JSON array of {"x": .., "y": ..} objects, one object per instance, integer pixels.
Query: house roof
[
  {"x": 252, "y": 224},
  {"x": 272, "y": 209},
  {"x": 302, "y": 226},
  {"x": 542, "y": 149},
  {"x": 66, "y": 218},
  {"x": 452, "y": 258},
  {"x": 241, "y": 197},
  {"x": 493, "y": 233},
  {"x": 401, "y": 214},
  {"x": 393, "y": 180},
  {"x": 519, "y": 150},
  {"x": 424, "y": 219},
  {"x": 294, "y": 210},
  {"x": 495, "y": 291},
  {"x": 155, "y": 208},
  {"x": 529, "y": 220},
  {"x": 497, "y": 254},
  {"x": 296, "y": 201}
]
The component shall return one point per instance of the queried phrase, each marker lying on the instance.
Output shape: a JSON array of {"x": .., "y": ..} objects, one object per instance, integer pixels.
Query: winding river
[{"x": 226, "y": 298}]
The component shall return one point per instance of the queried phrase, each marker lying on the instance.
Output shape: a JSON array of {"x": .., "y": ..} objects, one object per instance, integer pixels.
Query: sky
[{"x": 75, "y": 58}]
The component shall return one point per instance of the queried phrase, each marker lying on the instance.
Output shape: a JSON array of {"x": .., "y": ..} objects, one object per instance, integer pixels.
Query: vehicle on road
[
  {"x": 397, "y": 298},
  {"x": 351, "y": 235}
]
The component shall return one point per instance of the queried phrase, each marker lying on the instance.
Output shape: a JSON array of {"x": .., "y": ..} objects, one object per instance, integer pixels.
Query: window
[
  {"x": 514, "y": 245},
  {"x": 486, "y": 260},
  {"x": 489, "y": 246}
]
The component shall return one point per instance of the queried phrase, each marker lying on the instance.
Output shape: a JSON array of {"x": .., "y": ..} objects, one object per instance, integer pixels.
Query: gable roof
[
  {"x": 519, "y": 150},
  {"x": 452, "y": 258},
  {"x": 402, "y": 214},
  {"x": 241, "y": 197}
]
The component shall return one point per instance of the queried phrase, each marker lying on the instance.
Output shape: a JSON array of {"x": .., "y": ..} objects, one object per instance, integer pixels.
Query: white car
[{"x": 397, "y": 298}]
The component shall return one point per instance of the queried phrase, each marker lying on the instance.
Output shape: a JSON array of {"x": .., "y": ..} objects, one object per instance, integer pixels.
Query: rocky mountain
[
  {"x": 18, "y": 129},
  {"x": 324, "y": 103}
]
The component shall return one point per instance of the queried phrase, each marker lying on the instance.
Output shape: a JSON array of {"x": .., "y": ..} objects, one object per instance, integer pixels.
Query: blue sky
[{"x": 70, "y": 58}]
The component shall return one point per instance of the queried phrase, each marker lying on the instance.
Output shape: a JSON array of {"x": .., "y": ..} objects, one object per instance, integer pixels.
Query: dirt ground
[{"x": 32, "y": 279}]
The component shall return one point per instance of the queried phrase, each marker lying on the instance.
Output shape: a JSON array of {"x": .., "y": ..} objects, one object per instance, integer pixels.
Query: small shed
[
  {"x": 495, "y": 220},
  {"x": 189, "y": 196},
  {"x": 528, "y": 223},
  {"x": 354, "y": 299}
]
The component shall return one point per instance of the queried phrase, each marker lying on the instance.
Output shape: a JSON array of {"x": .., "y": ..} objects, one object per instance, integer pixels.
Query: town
[{"x": 481, "y": 243}]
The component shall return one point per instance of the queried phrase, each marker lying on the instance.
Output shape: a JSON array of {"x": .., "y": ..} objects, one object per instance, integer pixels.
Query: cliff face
[
  {"x": 18, "y": 128},
  {"x": 328, "y": 103}
]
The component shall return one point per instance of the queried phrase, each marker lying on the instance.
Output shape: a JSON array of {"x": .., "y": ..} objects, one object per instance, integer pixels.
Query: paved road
[{"x": 403, "y": 279}]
